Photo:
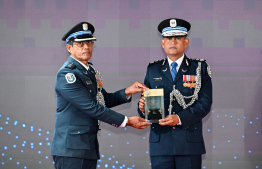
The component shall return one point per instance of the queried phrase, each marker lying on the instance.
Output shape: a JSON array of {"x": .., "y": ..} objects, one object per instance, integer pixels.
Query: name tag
[
  {"x": 157, "y": 79},
  {"x": 88, "y": 82}
]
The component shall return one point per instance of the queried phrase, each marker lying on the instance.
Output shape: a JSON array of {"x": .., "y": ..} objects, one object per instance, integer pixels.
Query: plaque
[{"x": 154, "y": 107}]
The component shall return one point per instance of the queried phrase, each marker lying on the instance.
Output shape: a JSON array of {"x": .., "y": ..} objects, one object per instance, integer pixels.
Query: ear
[
  {"x": 68, "y": 47},
  {"x": 162, "y": 42},
  {"x": 186, "y": 42}
]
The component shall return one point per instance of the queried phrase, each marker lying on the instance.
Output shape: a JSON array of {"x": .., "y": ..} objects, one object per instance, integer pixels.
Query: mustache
[{"x": 172, "y": 47}]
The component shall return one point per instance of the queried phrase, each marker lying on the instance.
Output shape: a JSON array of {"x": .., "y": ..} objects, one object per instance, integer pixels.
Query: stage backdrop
[{"x": 227, "y": 33}]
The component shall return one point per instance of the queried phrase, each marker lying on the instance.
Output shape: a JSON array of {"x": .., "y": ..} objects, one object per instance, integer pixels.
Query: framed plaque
[{"x": 154, "y": 107}]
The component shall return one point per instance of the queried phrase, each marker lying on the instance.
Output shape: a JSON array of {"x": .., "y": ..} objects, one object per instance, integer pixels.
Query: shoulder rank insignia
[
  {"x": 209, "y": 71},
  {"x": 198, "y": 59},
  {"x": 208, "y": 67},
  {"x": 70, "y": 78},
  {"x": 71, "y": 65},
  {"x": 156, "y": 61}
]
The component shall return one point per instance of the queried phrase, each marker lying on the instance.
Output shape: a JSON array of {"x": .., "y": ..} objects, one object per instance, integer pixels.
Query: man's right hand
[
  {"x": 137, "y": 122},
  {"x": 135, "y": 88},
  {"x": 142, "y": 103}
]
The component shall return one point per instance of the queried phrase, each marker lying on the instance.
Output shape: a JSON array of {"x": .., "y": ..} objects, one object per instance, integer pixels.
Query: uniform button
[
  {"x": 153, "y": 127},
  {"x": 90, "y": 91},
  {"x": 79, "y": 132},
  {"x": 174, "y": 128}
]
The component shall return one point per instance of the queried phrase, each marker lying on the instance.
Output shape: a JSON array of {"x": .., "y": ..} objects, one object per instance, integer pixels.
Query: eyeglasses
[{"x": 82, "y": 43}]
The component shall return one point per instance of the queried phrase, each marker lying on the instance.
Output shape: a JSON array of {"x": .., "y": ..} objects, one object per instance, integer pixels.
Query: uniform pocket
[
  {"x": 92, "y": 90},
  {"x": 154, "y": 134},
  {"x": 78, "y": 137},
  {"x": 194, "y": 135},
  {"x": 157, "y": 84}
]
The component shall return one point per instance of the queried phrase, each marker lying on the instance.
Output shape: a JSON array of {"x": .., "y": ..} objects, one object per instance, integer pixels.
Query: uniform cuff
[
  {"x": 124, "y": 122},
  {"x": 179, "y": 123}
]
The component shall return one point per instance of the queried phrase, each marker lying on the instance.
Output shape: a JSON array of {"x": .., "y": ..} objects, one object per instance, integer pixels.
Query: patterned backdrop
[{"x": 227, "y": 33}]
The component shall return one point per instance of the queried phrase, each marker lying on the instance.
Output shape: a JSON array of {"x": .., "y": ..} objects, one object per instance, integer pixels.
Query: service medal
[
  {"x": 189, "y": 81},
  {"x": 100, "y": 84},
  {"x": 194, "y": 85}
]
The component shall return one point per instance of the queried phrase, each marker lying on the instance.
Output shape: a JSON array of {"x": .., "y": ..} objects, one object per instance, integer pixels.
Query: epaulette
[
  {"x": 208, "y": 67},
  {"x": 196, "y": 59},
  {"x": 157, "y": 61},
  {"x": 71, "y": 66}
]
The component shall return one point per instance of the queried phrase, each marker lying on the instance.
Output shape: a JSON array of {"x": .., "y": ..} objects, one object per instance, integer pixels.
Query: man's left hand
[
  {"x": 135, "y": 88},
  {"x": 170, "y": 120}
]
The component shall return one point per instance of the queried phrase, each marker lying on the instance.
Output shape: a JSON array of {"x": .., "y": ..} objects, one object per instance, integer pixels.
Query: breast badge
[{"x": 189, "y": 81}]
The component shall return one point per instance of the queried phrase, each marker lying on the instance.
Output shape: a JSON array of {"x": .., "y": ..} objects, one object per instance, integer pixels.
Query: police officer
[
  {"x": 82, "y": 102},
  {"x": 176, "y": 142}
]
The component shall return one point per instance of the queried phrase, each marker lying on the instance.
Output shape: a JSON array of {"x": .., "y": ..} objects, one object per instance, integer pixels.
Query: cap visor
[{"x": 85, "y": 39}]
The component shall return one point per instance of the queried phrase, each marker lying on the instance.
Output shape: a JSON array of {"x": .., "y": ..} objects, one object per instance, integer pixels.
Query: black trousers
[
  {"x": 176, "y": 162},
  {"x": 62, "y": 162}
]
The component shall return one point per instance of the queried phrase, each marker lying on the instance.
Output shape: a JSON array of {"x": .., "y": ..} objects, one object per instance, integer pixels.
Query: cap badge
[
  {"x": 173, "y": 23},
  {"x": 85, "y": 27}
]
